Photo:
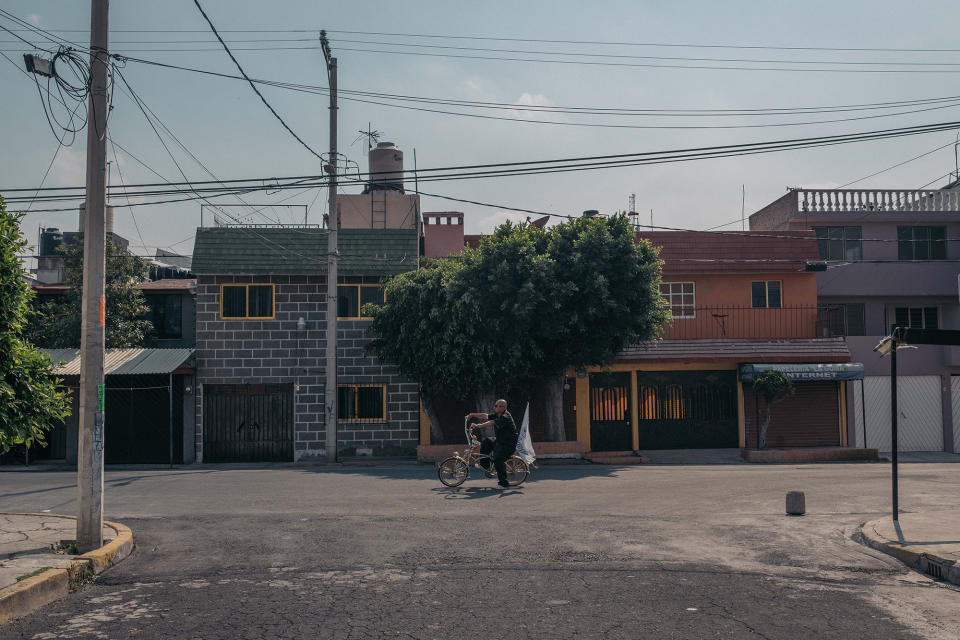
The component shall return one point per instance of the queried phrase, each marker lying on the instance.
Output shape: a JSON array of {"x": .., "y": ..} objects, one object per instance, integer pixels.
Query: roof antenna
[{"x": 371, "y": 134}]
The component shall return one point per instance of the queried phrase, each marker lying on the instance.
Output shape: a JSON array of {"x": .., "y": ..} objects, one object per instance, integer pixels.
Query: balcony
[
  {"x": 881, "y": 200},
  {"x": 887, "y": 204},
  {"x": 756, "y": 323}
]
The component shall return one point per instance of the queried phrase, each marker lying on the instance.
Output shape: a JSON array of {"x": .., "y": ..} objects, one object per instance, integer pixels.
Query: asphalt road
[{"x": 578, "y": 552}]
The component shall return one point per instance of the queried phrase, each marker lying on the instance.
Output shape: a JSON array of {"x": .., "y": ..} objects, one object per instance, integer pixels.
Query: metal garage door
[
  {"x": 920, "y": 424},
  {"x": 247, "y": 422}
]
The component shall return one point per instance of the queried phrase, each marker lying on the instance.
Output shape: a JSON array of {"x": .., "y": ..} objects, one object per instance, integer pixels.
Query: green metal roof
[
  {"x": 302, "y": 251},
  {"x": 123, "y": 361}
]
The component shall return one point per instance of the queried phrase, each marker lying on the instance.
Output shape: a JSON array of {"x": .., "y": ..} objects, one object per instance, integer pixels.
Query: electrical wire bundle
[{"x": 66, "y": 92}]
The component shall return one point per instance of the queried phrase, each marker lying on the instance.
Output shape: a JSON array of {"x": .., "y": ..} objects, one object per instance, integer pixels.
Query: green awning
[{"x": 805, "y": 372}]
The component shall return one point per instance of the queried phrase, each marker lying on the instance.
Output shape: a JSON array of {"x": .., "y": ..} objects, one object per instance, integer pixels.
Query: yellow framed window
[
  {"x": 362, "y": 403},
  {"x": 766, "y": 294},
  {"x": 247, "y": 301},
  {"x": 351, "y": 299}
]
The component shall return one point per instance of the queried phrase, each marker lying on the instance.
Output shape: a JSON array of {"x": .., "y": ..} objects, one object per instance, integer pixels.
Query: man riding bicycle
[{"x": 505, "y": 442}]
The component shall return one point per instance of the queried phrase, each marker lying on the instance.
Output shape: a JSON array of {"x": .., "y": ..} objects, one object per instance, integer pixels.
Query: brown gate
[
  {"x": 247, "y": 423},
  {"x": 610, "y": 428},
  {"x": 687, "y": 409}
]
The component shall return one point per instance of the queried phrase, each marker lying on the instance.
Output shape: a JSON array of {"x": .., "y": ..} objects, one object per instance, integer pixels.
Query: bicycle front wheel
[
  {"x": 453, "y": 472},
  {"x": 517, "y": 471}
]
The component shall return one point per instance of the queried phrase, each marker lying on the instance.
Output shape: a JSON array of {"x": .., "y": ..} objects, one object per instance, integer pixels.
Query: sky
[{"x": 223, "y": 123}]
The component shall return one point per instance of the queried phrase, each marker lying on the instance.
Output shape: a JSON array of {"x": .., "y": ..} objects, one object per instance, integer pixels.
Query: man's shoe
[{"x": 505, "y": 485}]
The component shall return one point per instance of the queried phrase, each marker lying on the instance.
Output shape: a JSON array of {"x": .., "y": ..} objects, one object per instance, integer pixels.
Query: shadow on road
[{"x": 472, "y": 493}]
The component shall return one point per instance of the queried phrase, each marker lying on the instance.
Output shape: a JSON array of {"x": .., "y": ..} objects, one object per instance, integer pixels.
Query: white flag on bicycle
[{"x": 525, "y": 442}]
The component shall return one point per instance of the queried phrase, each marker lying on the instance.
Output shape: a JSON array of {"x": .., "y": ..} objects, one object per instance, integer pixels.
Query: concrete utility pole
[
  {"x": 333, "y": 223},
  {"x": 90, "y": 446},
  {"x": 894, "y": 435}
]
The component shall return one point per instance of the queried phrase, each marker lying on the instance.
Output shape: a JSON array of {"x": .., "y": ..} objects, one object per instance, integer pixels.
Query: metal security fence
[{"x": 699, "y": 323}]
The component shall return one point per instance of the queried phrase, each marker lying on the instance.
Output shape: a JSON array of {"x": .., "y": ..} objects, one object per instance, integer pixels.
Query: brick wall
[{"x": 275, "y": 351}]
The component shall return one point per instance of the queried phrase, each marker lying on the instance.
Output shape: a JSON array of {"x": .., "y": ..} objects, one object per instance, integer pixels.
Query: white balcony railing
[{"x": 881, "y": 200}]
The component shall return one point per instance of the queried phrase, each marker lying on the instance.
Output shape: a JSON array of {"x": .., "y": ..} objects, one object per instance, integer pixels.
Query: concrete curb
[
  {"x": 915, "y": 557},
  {"x": 27, "y": 596}
]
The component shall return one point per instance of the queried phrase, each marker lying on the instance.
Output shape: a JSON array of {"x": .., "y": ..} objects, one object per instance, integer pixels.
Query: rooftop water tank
[
  {"x": 386, "y": 167},
  {"x": 50, "y": 239},
  {"x": 109, "y": 218}
]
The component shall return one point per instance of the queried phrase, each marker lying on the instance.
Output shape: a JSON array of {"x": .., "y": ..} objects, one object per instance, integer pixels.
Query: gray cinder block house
[{"x": 260, "y": 325}]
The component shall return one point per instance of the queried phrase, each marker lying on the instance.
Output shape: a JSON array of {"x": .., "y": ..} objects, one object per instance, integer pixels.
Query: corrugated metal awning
[{"x": 124, "y": 361}]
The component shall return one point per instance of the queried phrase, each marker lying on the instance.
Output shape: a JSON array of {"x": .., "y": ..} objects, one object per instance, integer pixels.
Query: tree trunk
[
  {"x": 484, "y": 404},
  {"x": 556, "y": 431},
  {"x": 485, "y": 401},
  {"x": 436, "y": 432},
  {"x": 768, "y": 413}
]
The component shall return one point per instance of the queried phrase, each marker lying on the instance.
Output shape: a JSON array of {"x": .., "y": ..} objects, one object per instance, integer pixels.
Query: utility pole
[
  {"x": 333, "y": 223},
  {"x": 894, "y": 436},
  {"x": 90, "y": 445}
]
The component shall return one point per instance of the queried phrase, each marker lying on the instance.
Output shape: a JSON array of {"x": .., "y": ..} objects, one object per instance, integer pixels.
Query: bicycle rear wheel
[
  {"x": 517, "y": 471},
  {"x": 453, "y": 472}
]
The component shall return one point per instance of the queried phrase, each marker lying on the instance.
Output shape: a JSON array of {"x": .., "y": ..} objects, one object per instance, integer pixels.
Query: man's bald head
[{"x": 500, "y": 406}]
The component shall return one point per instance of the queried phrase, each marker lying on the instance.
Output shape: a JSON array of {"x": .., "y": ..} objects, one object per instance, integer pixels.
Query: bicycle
[{"x": 455, "y": 470}]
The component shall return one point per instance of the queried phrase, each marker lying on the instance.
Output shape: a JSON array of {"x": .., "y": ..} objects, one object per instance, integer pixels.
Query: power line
[
  {"x": 252, "y": 84},
  {"x": 133, "y": 216},
  {"x": 642, "y": 64},
  {"x": 145, "y": 110},
  {"x": 766, "y": 111},
  {"x": 635, "y": 44},
  {"x": 899, "y": 164},
  {"x": 539, "y": 40},
  {"x": 568, "y": 54},
  {"x": 605, "y": 161},
  {"x": 652, "y": 57}
]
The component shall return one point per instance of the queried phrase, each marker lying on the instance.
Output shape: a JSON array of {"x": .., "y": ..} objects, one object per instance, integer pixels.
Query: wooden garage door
[
  {"x": 809, "y": 418},
  {"x": 247, "y": 423}
]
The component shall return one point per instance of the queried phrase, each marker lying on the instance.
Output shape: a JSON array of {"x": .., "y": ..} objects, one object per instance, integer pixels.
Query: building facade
[
  {"x": 891, "y": 257},
  {"x": 740, "y": 303},
  {"x": 261, "y": 313}
]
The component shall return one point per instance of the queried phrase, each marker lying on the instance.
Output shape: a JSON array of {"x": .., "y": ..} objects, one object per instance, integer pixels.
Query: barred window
[{"x": 357, "y": 403}]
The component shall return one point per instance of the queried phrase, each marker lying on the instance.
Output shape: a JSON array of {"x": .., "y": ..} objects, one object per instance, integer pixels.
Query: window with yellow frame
[
  {"x": 362, "y": 403},
  {"x": 248, "y": 301},
  {"x": 351, "y": 299}
]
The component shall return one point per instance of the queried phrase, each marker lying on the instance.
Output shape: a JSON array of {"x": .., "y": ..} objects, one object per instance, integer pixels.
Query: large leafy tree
[
  {"x": 57, "y": 322},
  {"x": 529, "y": 302},
  {"x": 605, "y": 296},
  {"x": 30, "y": 397}
]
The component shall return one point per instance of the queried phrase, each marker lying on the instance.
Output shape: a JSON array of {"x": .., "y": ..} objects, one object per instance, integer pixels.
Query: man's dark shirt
[{"x": 504, "y": 427}]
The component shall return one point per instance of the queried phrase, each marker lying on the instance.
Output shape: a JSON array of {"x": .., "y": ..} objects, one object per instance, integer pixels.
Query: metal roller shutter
[{"x": 809, "y": 418}]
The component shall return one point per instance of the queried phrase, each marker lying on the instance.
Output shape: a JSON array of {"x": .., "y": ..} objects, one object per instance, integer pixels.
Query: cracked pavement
[{"x": 579, "y": 552}]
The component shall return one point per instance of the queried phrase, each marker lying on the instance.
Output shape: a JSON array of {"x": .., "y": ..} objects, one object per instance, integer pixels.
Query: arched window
[
  {"x": 673, "y": 403},
  {"x": 648, "y": 403}
]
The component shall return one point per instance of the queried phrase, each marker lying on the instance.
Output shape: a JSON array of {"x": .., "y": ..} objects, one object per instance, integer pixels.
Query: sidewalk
[
  {"x": 927, "y": 541},
  {"x": 33, "y": 572}
]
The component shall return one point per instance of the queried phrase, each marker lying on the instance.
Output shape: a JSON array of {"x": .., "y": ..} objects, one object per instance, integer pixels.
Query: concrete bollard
[{"x": 796, "y": 503}]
